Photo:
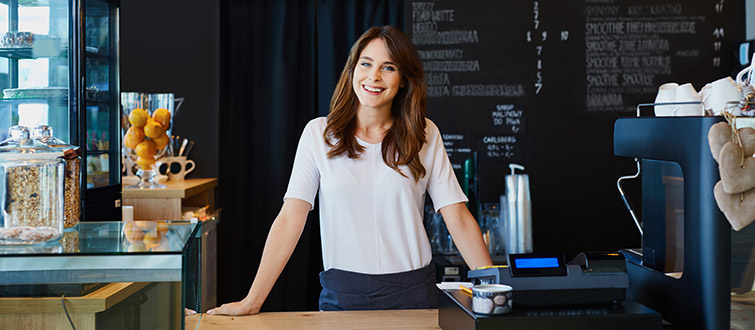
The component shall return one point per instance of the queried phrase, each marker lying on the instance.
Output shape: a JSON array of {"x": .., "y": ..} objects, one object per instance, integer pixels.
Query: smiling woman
[
  {"x": 386, "y": 54},
  {"x": 371, "y": 161},
  {"x": 376, "y": 79}
]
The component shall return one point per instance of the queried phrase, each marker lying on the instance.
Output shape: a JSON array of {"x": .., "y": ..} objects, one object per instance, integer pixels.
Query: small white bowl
[{"x": 492, "y": 299}]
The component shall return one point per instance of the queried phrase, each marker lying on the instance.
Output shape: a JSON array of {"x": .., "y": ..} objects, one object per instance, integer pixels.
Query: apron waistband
[{"x": 346, "y": 290}]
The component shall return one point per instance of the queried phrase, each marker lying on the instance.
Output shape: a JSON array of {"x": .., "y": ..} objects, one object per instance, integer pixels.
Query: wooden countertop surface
[
  {"x": 379, "y": 319},
  {"x": 173, "y": 189}
]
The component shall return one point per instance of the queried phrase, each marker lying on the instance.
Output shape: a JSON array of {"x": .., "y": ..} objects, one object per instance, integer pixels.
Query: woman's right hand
[{"x": 234, "y": 308}]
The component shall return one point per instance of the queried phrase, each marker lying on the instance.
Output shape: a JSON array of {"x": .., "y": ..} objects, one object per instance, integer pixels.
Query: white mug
[
  {"x": 666, "y": 94},
  {"x": 175, "y": 168},
  {"x": 129, "y": 168},
  {"x": 717, "y": 96},
  {"x": 688, "y": 93}
]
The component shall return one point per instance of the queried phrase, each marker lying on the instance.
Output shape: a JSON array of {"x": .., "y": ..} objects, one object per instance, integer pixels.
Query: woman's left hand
[{"x": 234, "y": 308}]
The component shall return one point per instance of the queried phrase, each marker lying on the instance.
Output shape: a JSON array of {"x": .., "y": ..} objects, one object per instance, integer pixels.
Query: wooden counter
[
  {"x": 742, "y": 316},
  {"x": 165, "y": 203},
  {"x": 381, "y": 319}
]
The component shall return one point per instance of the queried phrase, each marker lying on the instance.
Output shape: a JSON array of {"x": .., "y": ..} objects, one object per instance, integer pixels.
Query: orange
[
  {"x": 137, "y": 247},
  {"x": 133, "y": 137},
  {"x": 151, "y": 239},
  {"x": 129, "y": 140},
  {"x": 145, "y": 224},
  {"x": 138, "y": 117},
  {"x": 146, "y": 163},
  {"x": 153, "y": 129},
  {"x": 162, "y": 228},
  {"x": 161, "y": 141},
  {"x": 146, "y": 149},
  {"x": 132, "y": 232},
  {"x": 162, "y": 116}
]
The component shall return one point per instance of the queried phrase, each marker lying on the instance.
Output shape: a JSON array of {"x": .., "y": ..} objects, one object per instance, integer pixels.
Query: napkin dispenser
[{"x": 687, "y": 280}]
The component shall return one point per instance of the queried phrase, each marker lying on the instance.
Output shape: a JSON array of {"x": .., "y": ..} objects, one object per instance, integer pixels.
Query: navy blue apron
[{"x": 344, "y": 290}]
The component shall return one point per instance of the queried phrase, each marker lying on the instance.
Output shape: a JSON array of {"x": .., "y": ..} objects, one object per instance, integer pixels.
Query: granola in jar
[{"x": 31, "y": 190}]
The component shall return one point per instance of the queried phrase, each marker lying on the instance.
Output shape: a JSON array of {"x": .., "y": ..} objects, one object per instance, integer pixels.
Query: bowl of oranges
[{"x": 146, "y": 140}]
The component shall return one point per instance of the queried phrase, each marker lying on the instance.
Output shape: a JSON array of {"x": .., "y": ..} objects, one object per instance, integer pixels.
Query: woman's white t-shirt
[{"x": 370, "y": 215}]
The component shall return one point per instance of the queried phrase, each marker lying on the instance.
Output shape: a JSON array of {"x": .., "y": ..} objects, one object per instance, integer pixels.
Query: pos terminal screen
[{"x": 537, "y": 264}]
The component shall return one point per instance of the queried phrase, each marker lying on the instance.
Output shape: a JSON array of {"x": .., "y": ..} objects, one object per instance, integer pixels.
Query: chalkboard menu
[{"x": 540, "y": 83}]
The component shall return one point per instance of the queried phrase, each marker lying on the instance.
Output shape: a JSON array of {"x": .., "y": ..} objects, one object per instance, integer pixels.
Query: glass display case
[
  {"x": 110, "y": 275},
  {"x": 59, "y": 67}
]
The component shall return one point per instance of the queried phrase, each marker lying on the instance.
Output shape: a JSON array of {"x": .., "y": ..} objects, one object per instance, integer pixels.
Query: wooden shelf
[
  {"x": 97, "y": 301},
  {"x": 173, "y": 189},
  {"x": 165, "y": 203},
  {"x": 48, "y": 313}
]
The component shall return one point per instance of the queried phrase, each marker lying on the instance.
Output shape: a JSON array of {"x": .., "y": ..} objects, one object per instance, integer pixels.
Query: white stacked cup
[
  {"x": 719, "y": 95},
  {"x": 666, "y": 94},
  {"x": 687, "y": 93},
  {"x": 678, "y": 100}
]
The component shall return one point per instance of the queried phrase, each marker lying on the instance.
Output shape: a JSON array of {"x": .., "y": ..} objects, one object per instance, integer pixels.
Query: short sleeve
[
  {"x": 442, "y": 185},
  {"x": 305, "y": 176}
]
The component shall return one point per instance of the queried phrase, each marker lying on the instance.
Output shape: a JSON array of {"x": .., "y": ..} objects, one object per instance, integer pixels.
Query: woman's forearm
[
  {"x": 466, "y": 235},
  {"x": 281, "y": 242}
]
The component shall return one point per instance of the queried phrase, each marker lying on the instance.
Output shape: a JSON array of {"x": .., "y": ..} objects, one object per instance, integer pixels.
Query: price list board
[
  {"x": 488, "y": 63},
  {"x": 632, "y": 48},
  {"x": 540, "y": 83}
]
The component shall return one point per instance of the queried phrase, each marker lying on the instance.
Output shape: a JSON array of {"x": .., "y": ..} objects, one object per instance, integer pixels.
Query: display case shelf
[
  {"x": 17, "y": 53},
  {"x": 31, "y": 100},
  {"x": 27, "y": 53}
]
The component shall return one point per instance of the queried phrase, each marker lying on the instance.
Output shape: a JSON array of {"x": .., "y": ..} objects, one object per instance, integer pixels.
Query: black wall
[
  {"x": 550, "y": 95},
  {"x": 171, "y": 46}
]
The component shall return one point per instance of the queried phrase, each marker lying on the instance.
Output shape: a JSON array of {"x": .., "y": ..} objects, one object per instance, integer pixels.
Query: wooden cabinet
[{"x": 165, "y": 203}]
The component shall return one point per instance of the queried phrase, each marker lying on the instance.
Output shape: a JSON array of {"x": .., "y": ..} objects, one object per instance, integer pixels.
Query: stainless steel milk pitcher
[{"x": 518, "y": 212}]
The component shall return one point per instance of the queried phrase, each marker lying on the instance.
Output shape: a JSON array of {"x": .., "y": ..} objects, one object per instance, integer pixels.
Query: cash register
[
  {"x": 588, "y": 292},
  {"x": 543, "y": 279}
]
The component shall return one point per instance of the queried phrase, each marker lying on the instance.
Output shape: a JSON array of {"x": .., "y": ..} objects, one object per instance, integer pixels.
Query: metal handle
[
  {"x": 643, "y": 105},
  {"x": 624, "y": 196}
]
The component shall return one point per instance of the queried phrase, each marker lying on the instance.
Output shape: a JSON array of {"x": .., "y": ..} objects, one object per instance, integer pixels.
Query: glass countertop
[{"x": 98, "y": 252}]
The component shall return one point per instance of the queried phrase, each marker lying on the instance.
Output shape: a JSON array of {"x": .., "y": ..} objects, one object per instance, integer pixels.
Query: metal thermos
[{"x": 518, "y": 212}]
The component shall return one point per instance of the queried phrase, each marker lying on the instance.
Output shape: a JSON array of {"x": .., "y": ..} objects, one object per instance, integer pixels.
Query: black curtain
[{"x": 280, "y": 61}]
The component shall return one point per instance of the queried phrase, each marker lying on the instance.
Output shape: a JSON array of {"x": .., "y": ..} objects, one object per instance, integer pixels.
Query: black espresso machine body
[{"x": 700, "y": 297}]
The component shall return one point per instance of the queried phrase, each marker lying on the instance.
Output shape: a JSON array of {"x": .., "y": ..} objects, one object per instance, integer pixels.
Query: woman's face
[{"x": 376, "y": 78}]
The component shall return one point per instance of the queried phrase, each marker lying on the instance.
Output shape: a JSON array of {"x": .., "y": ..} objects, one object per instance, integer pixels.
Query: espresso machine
[{"x": 683, "y": 269}]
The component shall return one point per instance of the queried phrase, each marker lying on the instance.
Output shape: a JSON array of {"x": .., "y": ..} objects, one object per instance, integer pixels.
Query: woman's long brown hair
[{"x": 405, "y": 138}]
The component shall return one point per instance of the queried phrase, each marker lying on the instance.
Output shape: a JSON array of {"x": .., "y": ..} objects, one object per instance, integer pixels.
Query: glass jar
[
  {"x": 72, "y": 181},
  {"x": 31, "y": 190}
]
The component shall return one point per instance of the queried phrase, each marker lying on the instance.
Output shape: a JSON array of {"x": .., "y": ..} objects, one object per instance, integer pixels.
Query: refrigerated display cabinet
[{"x": 59, "y": 67}]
